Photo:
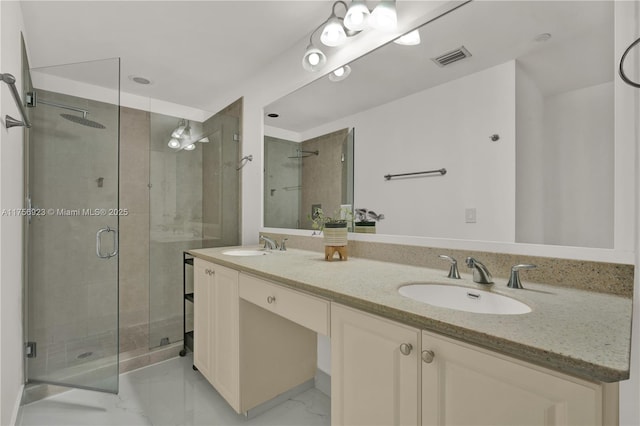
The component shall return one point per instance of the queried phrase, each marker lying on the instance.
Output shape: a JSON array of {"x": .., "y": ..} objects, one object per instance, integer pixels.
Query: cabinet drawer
[{"x": 303, "y": 309}]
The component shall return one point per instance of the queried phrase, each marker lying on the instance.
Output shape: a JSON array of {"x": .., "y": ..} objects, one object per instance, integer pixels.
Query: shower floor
[{"x": 92, "y": 359}]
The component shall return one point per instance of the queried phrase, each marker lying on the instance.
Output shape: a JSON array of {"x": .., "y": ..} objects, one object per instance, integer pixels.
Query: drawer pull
[
  {"x": 427, "y": 356},
  {"x": 406, "y": 348},
  {"x": 209, "y": 272},
  {"x": 271, "y": 299}
]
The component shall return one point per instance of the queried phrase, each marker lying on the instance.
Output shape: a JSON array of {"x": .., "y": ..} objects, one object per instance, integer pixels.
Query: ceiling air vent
[{"x": 451, "y": 57}]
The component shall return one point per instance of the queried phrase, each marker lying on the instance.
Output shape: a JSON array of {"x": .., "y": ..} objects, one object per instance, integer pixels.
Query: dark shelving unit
[{"x": 187, "y": 260}]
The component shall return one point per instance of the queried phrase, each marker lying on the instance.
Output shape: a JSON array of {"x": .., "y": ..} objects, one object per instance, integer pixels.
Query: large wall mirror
[{"x": 521, "y": 116}]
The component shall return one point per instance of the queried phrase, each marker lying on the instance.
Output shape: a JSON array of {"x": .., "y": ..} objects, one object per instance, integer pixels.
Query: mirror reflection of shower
[
  {"x": 182, "y": 137},
  {"x": 301, "y": 153},
  {"x": 33, "y": 101}
]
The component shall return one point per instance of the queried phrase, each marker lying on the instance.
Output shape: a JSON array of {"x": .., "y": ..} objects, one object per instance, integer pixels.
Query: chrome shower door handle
[
  {"x": 99, "y": 243},
  {"x": 115, "y": 243}
]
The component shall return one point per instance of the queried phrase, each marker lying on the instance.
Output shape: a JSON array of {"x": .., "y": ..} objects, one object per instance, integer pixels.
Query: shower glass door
[{"x": 71, "y": 300}]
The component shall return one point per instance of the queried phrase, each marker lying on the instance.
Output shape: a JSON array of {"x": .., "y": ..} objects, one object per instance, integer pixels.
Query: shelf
[{"x": 189, "y": 297}]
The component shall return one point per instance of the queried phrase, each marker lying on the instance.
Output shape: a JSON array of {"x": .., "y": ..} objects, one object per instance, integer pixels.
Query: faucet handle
[
  {"x": 283, "y": 247},
  {"x": 514, "y": 278},
  {"x": 453, "y": 271}
]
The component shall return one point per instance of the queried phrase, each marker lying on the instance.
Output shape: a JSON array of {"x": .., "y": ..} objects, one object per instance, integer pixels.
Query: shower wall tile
[
  {"x": 322, "y": 175},
  {"x": 134, "y": 227}
]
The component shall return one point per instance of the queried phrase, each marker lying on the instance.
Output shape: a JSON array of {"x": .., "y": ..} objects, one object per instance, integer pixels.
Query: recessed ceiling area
[
  {"x": 578, "y": 54},
  {"x": 190, "y": 50}
]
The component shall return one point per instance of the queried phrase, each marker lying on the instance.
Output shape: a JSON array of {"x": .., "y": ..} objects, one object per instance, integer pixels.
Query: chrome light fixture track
[{"x": 336, "y": 30}]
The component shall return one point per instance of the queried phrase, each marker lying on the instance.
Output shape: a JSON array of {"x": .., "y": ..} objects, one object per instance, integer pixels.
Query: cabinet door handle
[
  {"x": 271, "y": 299},
  {"x": 406, "y": 348},
  {"x": 428, "y": 356}
]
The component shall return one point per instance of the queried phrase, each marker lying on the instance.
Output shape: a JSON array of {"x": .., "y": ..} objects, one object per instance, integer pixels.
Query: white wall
[
  {"x": 58, "y": 84},
  {"x": 529, "y": 158},
  {"x": 447, "y": 126},
  {"x": 11, "y": 196},
  {"x": 628, "y": 108},
  {"x": 565, "y": 165},
  {"x": 579, "y": 167}
]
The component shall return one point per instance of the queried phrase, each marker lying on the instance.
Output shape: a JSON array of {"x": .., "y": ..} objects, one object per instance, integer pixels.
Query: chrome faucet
[
  {"x": 514, "y": 279},
  {"x": 453, "y": 270},
  {"x": 481, "y": 274},
  {"x": 269, "y": 243},
  {"x": 283, "y": 246}
]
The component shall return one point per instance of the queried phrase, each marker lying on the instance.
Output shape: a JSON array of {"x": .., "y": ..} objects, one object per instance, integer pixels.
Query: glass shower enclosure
[
  {"x": 194, "y": 203},
  {"x": 71, "y": 271}
]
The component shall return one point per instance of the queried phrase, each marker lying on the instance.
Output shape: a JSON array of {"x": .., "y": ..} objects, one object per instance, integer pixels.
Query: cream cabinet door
[
  {"x": 202, "y": 285},
  {"x": 225, "y": 335},
  {"x": 375, "y": 370},
  {"x": 463, "y": 385},
  {"x": 216, "y": 328}
]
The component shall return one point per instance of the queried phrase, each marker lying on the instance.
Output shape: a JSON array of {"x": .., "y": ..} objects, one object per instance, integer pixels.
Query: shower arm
[{"x": 70, "y": 108}]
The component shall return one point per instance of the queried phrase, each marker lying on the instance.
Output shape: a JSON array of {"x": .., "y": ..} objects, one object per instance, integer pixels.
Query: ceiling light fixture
[
  {"x": 340, "y": 74},
  {"x": 409, "y": 39},
  {"x": 139, "y": 79},
  {"x": 336, "y": 30},
  {"x": 181, "y": 138}
]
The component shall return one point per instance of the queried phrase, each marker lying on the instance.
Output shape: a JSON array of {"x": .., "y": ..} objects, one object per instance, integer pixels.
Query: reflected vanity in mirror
[{"x": 515, "y": 99}]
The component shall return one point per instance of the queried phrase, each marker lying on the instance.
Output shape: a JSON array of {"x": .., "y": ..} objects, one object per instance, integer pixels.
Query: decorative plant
[{"x": 320, "y": 220}]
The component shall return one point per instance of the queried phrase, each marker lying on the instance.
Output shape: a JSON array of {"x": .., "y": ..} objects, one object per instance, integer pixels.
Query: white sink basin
[
  {"x": 245, "y": 252},
  {"x": 464, "y": 299}
]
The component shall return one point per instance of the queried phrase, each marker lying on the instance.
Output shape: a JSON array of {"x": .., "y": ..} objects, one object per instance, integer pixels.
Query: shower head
[
  {"x": 82, "y": 120},
  {"x": 79, "y": 120}
]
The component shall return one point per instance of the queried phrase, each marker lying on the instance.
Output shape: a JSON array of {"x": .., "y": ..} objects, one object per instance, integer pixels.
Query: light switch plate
[{"x": 470, "y": 215}]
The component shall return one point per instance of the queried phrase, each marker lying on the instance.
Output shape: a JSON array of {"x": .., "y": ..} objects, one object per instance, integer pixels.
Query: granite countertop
[{"x": 578, "y": 332}]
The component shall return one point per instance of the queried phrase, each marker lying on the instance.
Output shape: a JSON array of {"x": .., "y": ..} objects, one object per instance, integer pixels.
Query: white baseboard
[{"x": 323, "y": 382}]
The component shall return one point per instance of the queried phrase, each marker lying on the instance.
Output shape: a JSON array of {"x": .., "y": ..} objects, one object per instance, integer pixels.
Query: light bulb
[
  {"x": 174, "y": 143},
  {"x": 384, "y": 16},
  {"x": 313, "y": 58},
  {"x": 178, "y": 132},
  {"x": 190, "y": 147},
  {"x": 357, "y": 16},
  {"x": 340, "y": 74},
  {"x": 333, "y": 33},
  {"x": 409, "y": 39}
]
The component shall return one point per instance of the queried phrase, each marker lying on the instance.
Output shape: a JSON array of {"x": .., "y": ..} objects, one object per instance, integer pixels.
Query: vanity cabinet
[
  {"x": 245, "y": 343},
  {"x": 375, "y": 376},
  {"x": 387, "y": 373},
  {"x": 464, "y": 385}
]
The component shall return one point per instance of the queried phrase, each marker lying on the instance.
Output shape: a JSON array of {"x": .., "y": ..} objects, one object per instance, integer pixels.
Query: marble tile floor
[{"x": 168, "y": 393}]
